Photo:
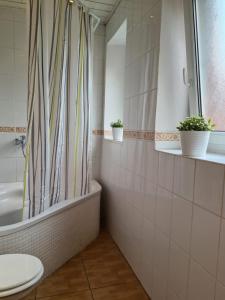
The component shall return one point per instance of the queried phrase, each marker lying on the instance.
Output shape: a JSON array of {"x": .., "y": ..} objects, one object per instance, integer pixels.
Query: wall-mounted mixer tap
[{"x": 21, "y": 141}]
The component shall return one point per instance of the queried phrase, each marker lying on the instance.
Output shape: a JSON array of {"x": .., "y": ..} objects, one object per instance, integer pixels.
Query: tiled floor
[{"x": 100, "y": 272}]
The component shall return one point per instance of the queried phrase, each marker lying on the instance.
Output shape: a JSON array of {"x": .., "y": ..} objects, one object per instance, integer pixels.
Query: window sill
[
  {"x": 110, "y": 139},
  {"x": 210, "y": 157}
]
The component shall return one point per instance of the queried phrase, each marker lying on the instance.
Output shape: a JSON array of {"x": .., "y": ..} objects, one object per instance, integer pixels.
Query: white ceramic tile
[
  {"x": 20, "y": 62},
  {"x": 20, "y": 88},
  {"x": 19, "y": 14},
  {"x": 184, "y": 172},
  {"x": 181, "y": 222},
  {"x": 6, "y": 87},
  {"x": 20, "y": 165},
  {"x": 161, "y": 253},
  {"x": 151, "y": 162},
  {"x": 6, "y": 13},
  {"x": 20, "y": 34},
  {"x": 201, "y": 284},
  {"x": 7, "y": 113},
  {"x": 6, "y": 61},
  {"x": 205, "y": 238},
  {"x": 7, "y": 169},
  {"x": 147, "y": 247},
  {"x": 220, "y": 291},
  {"x": 163, "y": 210},
  {"x": 159, "y": 290},
  {"x": 149, "y": 201},
  {"x": 221, "y": 261},
  {"x": 7, "y": 145},
  {"x": 6, "y": 34},
  {"x": 178, "y": 271},
  {"x": 166, "y": 168},
  {"x": 209, "y": 186}
]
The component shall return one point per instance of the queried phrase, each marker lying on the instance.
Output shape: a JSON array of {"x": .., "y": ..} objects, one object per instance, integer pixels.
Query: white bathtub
[
  {"x": 54, "y": 236},
  {"x": 11, "y": 203}
]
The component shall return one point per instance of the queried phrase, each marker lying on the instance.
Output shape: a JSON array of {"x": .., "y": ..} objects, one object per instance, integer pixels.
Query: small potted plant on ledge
[
  {"x": 117, "y": 131},
  {"x": 194, "y": 134}
]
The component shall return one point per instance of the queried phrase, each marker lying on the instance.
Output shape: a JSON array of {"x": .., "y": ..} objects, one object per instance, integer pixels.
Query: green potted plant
[
  {"x": 194, "y": 135},
  {"x": 117, "y": 130}
]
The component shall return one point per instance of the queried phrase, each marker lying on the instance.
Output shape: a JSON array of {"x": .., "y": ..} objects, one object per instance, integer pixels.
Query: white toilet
[{"x": 18, "y": 272}]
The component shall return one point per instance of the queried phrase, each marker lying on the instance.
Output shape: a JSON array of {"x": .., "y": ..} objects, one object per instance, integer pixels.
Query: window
[
  {"x": 208, "y": 60},
  {"x": 114, "y": 78}
]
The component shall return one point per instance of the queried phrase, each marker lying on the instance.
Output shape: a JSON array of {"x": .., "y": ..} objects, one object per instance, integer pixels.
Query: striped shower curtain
[{"x": 57, "y": 154}]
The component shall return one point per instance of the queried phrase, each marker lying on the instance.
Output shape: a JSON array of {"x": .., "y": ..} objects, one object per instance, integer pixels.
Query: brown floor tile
[
  {"x": 101, "y": 245},
  {"x": 70, "y": 278},
  {"x": 30, "y": 296},
  {"x": 120, "y": 292},
  {"x": 109, "y": 268},
  {"x": 86, "y": 295}
]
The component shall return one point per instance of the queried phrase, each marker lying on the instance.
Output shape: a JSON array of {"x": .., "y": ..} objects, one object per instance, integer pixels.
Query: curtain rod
[{"x": 81, "y": 2}]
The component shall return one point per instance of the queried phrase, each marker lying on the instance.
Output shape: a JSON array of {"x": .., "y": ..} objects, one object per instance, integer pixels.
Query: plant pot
[
  {"x": 117, "y": 134},
  {"x": 194, "y": 143}
]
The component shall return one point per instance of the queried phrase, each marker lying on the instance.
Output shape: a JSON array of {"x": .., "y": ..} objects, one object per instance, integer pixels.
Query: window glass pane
[{"x": 211, "y": 41}]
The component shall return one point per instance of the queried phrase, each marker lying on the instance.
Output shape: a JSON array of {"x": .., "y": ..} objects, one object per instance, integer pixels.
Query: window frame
[{"x": 217, "y": 139}]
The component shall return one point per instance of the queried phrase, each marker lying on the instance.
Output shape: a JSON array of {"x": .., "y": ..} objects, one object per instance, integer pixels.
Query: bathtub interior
[{"x": 11, "y": 202}]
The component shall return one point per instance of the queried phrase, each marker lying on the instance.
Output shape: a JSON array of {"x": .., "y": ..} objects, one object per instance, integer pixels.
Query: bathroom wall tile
[
  {"x": 221, "y": 261},
  {"x": 6, "y": 86},
  {"x": 178, "y": 271},
  {"x": 6, "y": 60},
  {"x": 6, "y": 112},
  {"x": 7, "y": 145},
  {"x": 201, "y": 284},
  {"x": 181, "y": 222},
  {"x": 159, "y": 290},
  {"x": 220, "y": 291},
  {"x": 149, "y": 201},
  {"x": 163, "y": 210},
  {"x": 8, "y": 170},
  {"x": 151, "y": 162},
  {"x": 161, "y": 253},
  {"x": 6, "y": 34},
  {"x": 184, "y": 172},
  {"x": 19, "y": 14},
  {"x": 20, "y": 61},
  {"x": 20, "y": 165},
  {"x": 209, "y": 186},
  {"x": 20, "y": 88},
  {"x": 166, "y": 168},
  {"x": 205, "y": 239},
  {"x": 147, "y": 247},
  {"x": 6, "y": 14},
  {"x": 20, "y": 34}
]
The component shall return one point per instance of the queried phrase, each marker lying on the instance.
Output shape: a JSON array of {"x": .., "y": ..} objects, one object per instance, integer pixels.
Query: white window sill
[
  {"x": 110, "y": 139},
  {"x": 210, "y": 157}
]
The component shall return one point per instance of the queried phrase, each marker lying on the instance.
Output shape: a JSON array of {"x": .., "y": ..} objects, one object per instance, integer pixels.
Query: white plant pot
[
  {"x": 194, "y": 143},
  {"x": 117, "y": 134}
]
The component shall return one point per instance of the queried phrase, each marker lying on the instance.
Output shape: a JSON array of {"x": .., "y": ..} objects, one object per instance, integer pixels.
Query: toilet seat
[{"x": 18, "y": 272}]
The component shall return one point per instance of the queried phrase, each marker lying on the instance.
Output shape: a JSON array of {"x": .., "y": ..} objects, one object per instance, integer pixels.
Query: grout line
[{"x": 85, "y": 271}]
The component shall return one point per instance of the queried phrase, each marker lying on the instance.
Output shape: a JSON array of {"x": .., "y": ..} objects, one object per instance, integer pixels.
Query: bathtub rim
[{"x": 50, "y": 212}]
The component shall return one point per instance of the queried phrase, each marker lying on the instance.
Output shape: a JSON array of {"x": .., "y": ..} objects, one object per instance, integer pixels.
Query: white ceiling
[{"x": 102, "y": 8}]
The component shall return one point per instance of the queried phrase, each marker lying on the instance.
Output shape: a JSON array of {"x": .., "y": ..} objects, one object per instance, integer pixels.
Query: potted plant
[
  {"x": 194, "y": 134},
  {"x": 117, "y": 130}
]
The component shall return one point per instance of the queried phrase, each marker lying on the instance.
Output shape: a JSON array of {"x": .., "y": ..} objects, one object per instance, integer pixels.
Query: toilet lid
[{"x": 17, "y": 270}]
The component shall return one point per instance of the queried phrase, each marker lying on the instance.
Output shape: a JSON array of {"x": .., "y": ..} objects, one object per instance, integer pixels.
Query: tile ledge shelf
[{"x": 217, "y": 158}]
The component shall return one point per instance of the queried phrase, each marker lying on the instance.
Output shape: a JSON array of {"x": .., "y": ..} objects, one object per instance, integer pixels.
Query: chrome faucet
[{"x": 21, "y": 141}]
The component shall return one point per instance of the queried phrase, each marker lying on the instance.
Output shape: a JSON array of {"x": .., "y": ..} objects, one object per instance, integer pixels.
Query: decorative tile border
[
  {"x": 7, "y": 129},
  {"x": 143, "y": 135}
]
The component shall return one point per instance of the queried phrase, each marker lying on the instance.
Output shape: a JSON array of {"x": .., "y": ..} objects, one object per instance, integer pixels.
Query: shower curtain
[{"x": 59, "y": 83}]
